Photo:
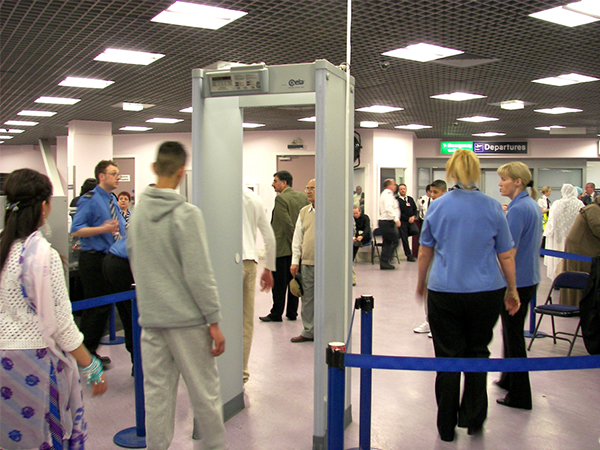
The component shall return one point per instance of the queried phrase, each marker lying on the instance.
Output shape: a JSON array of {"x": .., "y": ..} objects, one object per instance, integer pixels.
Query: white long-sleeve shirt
[
  {"x": 254, "y": 217},
  {"x": 389, "y": 209}
]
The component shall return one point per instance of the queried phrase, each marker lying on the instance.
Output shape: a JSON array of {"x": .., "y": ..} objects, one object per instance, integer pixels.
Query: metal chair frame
[{"x": 375, "y": 247}]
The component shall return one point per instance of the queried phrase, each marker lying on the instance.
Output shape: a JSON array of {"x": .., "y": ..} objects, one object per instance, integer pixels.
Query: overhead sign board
[
  {"x": 448, "y": 148},
  {"x": 496, "y": 148}
]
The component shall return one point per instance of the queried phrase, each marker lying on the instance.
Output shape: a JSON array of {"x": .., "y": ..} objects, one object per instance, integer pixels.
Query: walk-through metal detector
[{"x": 219, "y": 99}]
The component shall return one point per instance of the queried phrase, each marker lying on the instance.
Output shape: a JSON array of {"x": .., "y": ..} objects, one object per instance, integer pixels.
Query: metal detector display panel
[{"x": 237, "y": 83}]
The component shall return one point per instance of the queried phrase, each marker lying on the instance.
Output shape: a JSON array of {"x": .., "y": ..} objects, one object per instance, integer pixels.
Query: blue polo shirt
[
  {"x": 93, "y": 209},
  {"x": 525, "y": 221},
  {"x": 119, "y": 248},
  {"x": 468, "y": 229}
]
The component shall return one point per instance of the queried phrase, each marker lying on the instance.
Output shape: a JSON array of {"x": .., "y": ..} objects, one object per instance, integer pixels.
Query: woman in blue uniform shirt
[
  {"x": 467, "y": 288},
  {"x": 525, "y": 221}
]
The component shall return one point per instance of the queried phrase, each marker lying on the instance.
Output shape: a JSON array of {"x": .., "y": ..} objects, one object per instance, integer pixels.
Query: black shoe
[
  {"x": 386, "y": 266},
  {"x": 411, "y": 258},
  {"x": 270, "y": 318},
  {"x": 291, "y": 318},
  {"x": 501, "y": 385},
  {"x": 473, "y": 431},
  {"x": 505, "y": 402}
]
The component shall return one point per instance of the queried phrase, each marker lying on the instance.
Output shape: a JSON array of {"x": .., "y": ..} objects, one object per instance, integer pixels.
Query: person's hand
[
  {"x": 111, "y": 226},
  {"x": 512, "y": 303},
  {"x": 218, "y": 338},
  {"x": 294, "y": 268},
  {"x": 359, "y": 238},
  {"x": 420, "y": 291},
  {"x": 411, "y": 219},
  {"x": 266, "y": 281},
  {"x": 398, "y": 223},
  {"x": 99, "y": 388}
]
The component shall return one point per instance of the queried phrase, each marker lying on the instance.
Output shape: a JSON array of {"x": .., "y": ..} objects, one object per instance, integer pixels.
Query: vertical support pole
[
  {"x": 113, "y": 339},
  {"x": 366, "y": 348},
  {"x": 336, "y": 387},
  {"x": 532, "y": 304}
]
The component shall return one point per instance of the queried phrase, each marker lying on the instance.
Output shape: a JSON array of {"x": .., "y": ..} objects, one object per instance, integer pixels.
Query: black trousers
[
  {"x": 118, "y": 274},
  {"x": 389, "y": 234},
  {"x": 356, "y": 246},
  {"x": 94, "y": 320},
  {"x": 462, "y": 327},
  {"x": 404, "y": 237},
  {"x": 517, "y": 383},
  {"x": 281, "y": 281}
]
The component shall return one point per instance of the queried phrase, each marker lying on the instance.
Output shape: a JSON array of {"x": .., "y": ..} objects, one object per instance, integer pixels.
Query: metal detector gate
[{"x": 219, "y": 98}]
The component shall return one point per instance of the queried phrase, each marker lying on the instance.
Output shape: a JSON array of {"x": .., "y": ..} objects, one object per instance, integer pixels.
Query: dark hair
[
  {"x": 170, "y": 157},
  {"x": 126, "y": 194},
  {"x": 284, "y": 175},
  {"x": 101, "y": 167},
  {"x": 402, "y": 184},
  {"x": 87, "y": 186},
  {"x": 428, "y": 188},
  {"x": 25, "y": 191},
  {"x": 440, "y": 184}
]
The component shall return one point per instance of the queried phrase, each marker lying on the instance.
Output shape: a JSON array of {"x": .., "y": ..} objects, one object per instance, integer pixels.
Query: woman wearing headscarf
[
  {"x": 560, "y": 220},
  {"x": 468, "y": 232},
  {"x": 41, "y": 402},
  {"x": 525, "y": 222}
]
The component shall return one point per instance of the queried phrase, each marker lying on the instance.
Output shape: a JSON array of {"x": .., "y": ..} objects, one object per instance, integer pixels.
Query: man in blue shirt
[{"x": 99, "y": 225}]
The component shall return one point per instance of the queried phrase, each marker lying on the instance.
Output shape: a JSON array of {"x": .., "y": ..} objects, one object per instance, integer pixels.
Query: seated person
[{"x": 362, "y": 233}]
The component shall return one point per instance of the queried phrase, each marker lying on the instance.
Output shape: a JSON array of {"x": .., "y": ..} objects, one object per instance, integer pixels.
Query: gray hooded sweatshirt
[{"x": 168, "y": 253}]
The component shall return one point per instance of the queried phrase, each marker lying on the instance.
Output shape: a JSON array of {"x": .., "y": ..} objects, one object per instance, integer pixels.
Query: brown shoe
[{"x": 301, "y": 339}]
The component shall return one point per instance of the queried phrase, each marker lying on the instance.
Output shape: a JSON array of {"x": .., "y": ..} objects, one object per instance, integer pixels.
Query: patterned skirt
[{"x": 41, "y": 402}]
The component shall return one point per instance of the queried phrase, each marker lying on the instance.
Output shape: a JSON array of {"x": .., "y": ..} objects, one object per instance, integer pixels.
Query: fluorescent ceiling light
[
  {"x": 558, "y": 110},
  {"x": 588, "y": 7},
  {"x": 380, "y": 109},
  {"x": 11, "y": 130},
  {"x": 186, "y": 110},
  {"x": 164, "y": 120},
  {"x": 22, "y": 123},
  {"x": 26, "y": 112},
  {"x": 129, "y": 128},
  {"x": 128, "y": 57},
  {"x": 413, "y": 126},
  {"x": 512, "y": 105},
  {"x": 369, "y": 124},
  {"x": 252, "y": 125},
  {"x": 548, "y": 128},
  {"x": 198, "y": 16},
  {"x": 308, "y": 119},
  {"x": 478, "y": 119},
  {"x": 57, "y": 100},
  {"x": 6, "y": 137},
  {"x": 566, "y": 79},
  {"x": 458, "y": 96},
  {"x": 132, "y": 106},
  {"x": 422, "y": 52},
  {"x": 489, "y": 134},
  {"x": 92, "y": 83},
  {"x": 564, "y": 16}
]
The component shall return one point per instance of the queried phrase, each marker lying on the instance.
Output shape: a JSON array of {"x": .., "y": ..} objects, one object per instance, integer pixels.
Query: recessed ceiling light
[
  {"x": 26, "y": 112},
  {"x": 489, "y": 134},
  {"x": 422, "y": 52},
  {"x": 478, "y": 119},
  {"x": 130, "y": 128},
  {"x": 252, "y": 125},
  {"x": 566, "y": 79},
  {"x": 512, "y": 105},
  {"x": 164, "y": 120},
  {"x": 198, "y": 16},
  {"x": 22, "y": 123},
  {"x": 308, "y": 119},
  {"x": 369, "y": 124},
  {"x": 128, "y": 57},
  {"x": 548, "y": 128},
  {"x": 57, "y": 100},
  {"x": 186, "y": 110},
  {"x": 133, "y": 106},
  {"x": 563, "y": 16},
  {"x": 91, "y": 83},
  {"x": 588, "y": 7},
  {"x": 558, "y": 110},
  {"x": 11, "y": 130},
  {"x": 380, "y": 109},
  {"x": 458, "y": 96},
  {"x": 413, "y": 126},
  {"x": 6, "y": 137}
]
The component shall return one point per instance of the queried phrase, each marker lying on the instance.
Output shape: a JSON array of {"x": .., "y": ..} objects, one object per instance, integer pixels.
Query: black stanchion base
[
  {"x": 116, "y": 341},
  {"x": 128, "y": 438}
]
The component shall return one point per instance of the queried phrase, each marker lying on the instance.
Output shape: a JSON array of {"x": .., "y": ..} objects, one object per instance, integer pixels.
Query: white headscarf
[{"x": 560, "y": 220}]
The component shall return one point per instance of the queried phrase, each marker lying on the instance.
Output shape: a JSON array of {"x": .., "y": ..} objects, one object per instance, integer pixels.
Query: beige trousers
[{"x": 249, "y": 290}]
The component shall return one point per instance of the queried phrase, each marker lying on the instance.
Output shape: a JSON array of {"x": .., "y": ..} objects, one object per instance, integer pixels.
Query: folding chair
[
  {"x": 376, "y": 244},
  {"x": 565, "y": 280}
]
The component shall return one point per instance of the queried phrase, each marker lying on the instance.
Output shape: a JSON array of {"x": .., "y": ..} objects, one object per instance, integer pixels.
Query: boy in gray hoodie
[{"x": 178, "y": 305}]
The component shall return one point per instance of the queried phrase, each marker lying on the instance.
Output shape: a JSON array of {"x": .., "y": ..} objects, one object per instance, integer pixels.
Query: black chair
[
  {"x": 376, "y": 244},
  {"x": 565, "y": 280}
]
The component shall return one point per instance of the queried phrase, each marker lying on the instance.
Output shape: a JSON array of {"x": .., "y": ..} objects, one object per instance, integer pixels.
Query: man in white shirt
[
  {"x": 254, "y": 217},
  {"x": 389, "y": 221},
  {"x": 423, "y": 203}
]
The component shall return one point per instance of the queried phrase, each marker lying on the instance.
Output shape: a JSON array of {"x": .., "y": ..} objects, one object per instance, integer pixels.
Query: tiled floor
[{"x": 278, "y": 397}]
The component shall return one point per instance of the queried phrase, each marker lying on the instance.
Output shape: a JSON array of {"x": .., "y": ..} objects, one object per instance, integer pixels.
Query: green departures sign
[{"x": 448, "y": 148}]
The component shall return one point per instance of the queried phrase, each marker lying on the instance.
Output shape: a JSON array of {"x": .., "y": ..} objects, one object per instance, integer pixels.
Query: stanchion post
[
  {"x": 366, "y": 304},
  {"x": 532, "y": 305},
  {"x": 113, "y": 339},
  {"x": 336, "y": 387}
]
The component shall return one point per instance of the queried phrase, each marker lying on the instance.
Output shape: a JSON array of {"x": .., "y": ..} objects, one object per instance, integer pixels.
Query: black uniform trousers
[
  {"x": 516, "y": 383},
  {"x": 118, "y": 274},
  {"x": 389, "y": 235},
  {"x": 93, "y": 320},
  {"x": 404, "y": 237},
  {"x": 281, "y": 281},
  {"x": 462, "y": 327}
]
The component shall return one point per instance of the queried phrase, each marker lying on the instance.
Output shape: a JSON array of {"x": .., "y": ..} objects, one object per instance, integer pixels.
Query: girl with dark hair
[{"x": 40, "y": 345}]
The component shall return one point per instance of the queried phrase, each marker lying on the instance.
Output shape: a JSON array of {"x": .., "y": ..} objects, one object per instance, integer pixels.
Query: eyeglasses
[
  {"x": 309, "y": 188},
  {"x": 113, "y": 174}
]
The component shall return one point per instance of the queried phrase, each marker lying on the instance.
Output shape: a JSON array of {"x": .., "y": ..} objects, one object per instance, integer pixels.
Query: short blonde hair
[
  {"x": 516, "y": 170},
  {"x": 464, "y": 167},
  {"x": 545, "y": 189}
]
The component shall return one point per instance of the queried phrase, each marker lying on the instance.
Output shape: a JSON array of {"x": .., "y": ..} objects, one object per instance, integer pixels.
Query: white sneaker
[
  {"x": 423, "y": 328},
  {"x": 430, "y": 336}
]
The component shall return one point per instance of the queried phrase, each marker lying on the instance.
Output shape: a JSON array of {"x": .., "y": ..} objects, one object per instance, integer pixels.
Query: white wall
[{"x": 13, "y": 157}]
